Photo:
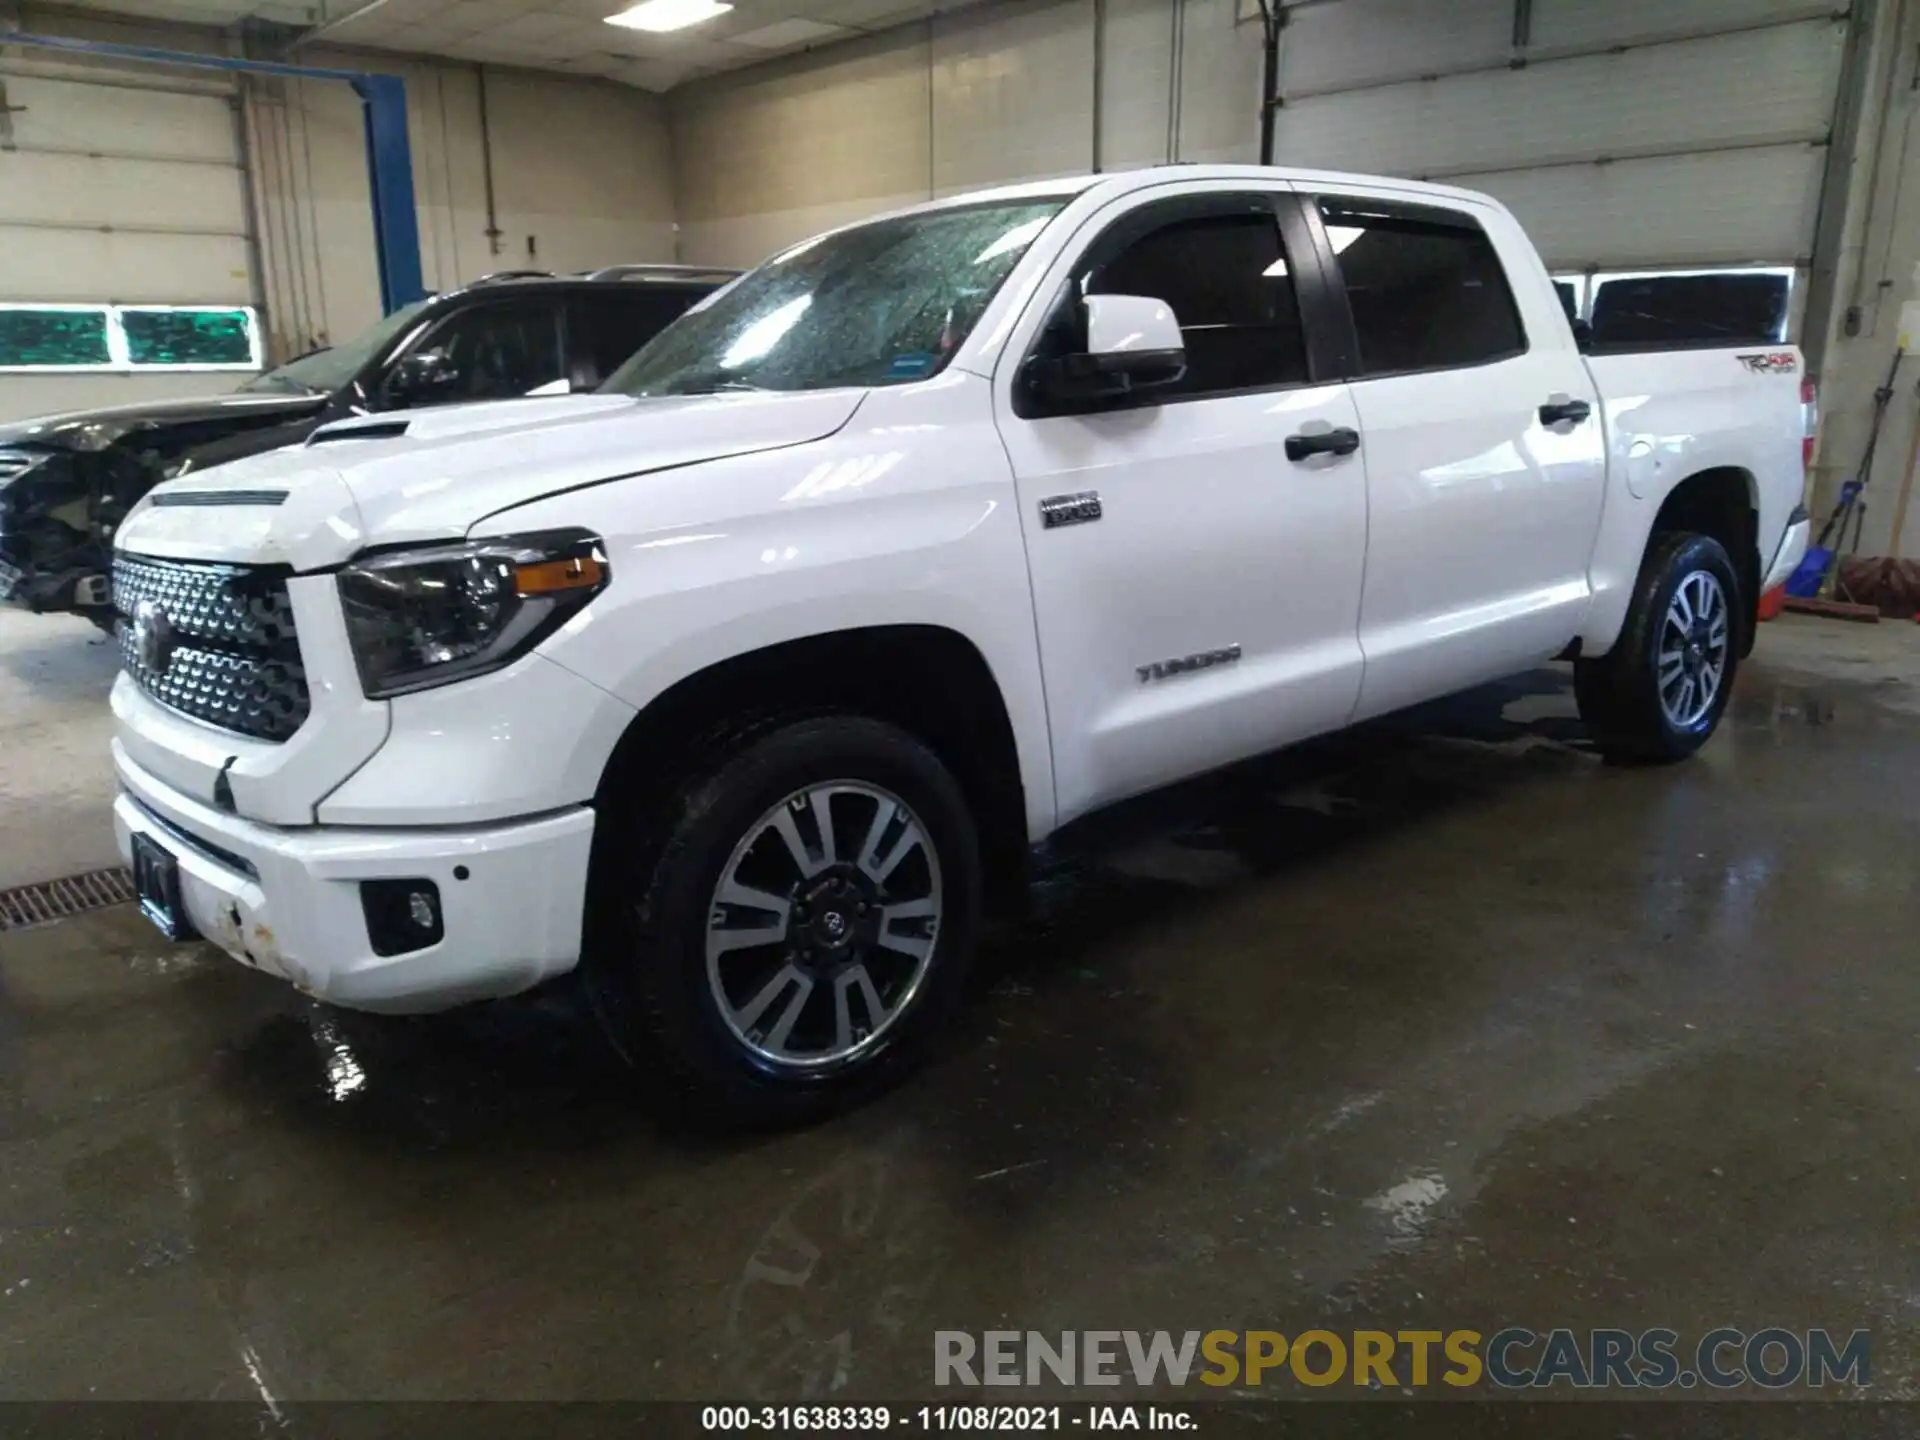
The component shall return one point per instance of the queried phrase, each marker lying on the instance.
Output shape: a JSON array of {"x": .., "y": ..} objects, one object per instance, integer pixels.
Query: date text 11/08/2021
[{"x": 998, "y": 1418}]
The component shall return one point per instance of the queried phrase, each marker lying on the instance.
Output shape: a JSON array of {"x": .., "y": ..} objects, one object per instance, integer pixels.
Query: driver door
[{"x": 1197, "y": 592}]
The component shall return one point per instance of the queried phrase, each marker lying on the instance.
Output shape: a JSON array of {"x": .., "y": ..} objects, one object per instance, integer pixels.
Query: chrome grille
[{"x": 235, "y": 657}]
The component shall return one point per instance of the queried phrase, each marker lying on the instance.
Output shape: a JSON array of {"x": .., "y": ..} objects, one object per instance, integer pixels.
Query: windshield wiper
[{"x": 711, "y": 381}]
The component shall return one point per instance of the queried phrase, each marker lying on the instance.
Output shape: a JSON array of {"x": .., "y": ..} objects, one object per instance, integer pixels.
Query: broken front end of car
[{"x": 57, "y": 513}]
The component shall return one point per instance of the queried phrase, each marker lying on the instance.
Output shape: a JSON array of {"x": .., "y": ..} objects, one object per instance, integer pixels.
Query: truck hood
[
  {"x": 86, "y": 430},
  {"x": 433, "y": 475}
]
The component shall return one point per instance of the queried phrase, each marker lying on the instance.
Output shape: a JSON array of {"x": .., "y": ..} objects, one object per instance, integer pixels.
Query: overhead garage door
[
  {"x": 116, "y": 194},
  {"x": 1626, "y": 133}
]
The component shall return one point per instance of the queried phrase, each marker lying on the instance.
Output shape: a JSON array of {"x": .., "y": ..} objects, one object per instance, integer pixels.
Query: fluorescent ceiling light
[{"x": 660, "y": 16}]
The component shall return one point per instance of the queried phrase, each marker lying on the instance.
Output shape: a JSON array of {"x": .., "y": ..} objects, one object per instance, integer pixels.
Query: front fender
[{"x": 904, "y": 518}]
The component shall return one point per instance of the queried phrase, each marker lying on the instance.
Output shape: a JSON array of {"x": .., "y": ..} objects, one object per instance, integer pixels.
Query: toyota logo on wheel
[{"x": 152, "y": 636}]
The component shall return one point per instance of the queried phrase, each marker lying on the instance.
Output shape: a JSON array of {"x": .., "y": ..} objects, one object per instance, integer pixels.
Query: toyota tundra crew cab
[{"x": 742, "y": 685}]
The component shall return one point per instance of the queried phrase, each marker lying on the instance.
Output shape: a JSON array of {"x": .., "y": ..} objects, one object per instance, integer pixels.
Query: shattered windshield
[
  {"x": 325, "y": 371},
  {"x": 878, "y": 304}
]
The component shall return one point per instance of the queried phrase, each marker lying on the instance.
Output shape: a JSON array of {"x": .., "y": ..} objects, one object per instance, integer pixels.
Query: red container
[{"x": 1773, "y": 602}]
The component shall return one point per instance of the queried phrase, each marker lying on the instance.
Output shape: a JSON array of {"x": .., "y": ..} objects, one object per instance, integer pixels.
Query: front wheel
[
  {"x": 1660, "y": 692},
  {"x": 805, "y": 922}
]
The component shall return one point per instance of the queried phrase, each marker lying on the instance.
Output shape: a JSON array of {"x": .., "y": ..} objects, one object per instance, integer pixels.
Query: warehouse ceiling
[{"x": 570, "y": 36}]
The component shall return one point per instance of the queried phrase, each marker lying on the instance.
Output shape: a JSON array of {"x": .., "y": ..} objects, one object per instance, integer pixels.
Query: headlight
[{"x": 425, "y": 617}]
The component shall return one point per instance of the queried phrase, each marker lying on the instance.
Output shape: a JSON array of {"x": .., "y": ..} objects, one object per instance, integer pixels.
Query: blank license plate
[{"x": 156, "y": 880}]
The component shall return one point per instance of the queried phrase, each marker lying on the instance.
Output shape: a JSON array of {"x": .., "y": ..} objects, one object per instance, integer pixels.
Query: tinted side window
[
  {"x": 501, "y": 350},
  {"x": 1425, "y": 286},
  {"x": 613, "y": 322},
  {"x": 1227, "y": 281},
  {"x": 1729, "y": 308}
]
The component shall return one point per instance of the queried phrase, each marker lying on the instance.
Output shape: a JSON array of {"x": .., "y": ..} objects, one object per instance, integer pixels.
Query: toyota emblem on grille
[{"x": 152, "y": 636}]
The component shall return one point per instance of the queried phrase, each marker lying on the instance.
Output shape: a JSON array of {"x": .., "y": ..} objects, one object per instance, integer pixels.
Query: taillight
[{"x": 1809, "y": 420}]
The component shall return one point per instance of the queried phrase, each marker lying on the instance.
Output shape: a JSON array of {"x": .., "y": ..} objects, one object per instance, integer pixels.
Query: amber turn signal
[{"x": 582, "y": 572}]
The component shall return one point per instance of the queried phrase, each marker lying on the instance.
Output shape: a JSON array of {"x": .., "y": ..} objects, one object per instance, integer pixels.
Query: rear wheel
[
  {"x": 804, "y": 920},
  {"x": 1660, "y": 692}
]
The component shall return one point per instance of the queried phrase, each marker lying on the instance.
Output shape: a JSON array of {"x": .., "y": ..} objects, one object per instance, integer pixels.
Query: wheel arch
[
  {"x": 928, "y": 679},
  {"x": 1722, "y": 502}
]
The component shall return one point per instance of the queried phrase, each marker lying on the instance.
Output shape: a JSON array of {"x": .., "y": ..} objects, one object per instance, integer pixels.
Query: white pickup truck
[{"x": 743, "y": 685}]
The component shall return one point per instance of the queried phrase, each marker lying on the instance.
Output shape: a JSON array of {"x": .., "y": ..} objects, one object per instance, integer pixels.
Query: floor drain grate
[{"x": 52, "y": 900}]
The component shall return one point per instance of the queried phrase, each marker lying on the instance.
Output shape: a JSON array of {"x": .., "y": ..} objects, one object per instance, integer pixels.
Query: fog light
[{"x": 402, "y": 915}]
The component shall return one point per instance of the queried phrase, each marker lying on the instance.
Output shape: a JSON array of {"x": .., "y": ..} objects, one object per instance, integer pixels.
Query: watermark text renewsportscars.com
[{"x": 1513, "y": 1358}]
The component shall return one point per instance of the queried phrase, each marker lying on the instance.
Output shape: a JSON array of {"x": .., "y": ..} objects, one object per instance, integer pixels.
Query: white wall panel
[
  {"x": 744, "y": 241},
  {"x": 1691, "y": 95},
  {"x": 1738, "y": 207},
  {"x": 24, "y": 396},
  {"x": 1219, "y": 110},
  {"x": 1583, "y": 22},
  {"x": 1324, "y": 46},
  {"x": 89, "y": 193},
  {"x": 73, "y": 115},
  {"x": 768, "y": 156},
  {"x": 123, "y": 266},
  {"x": 1012, "y": 95},
  {"x": 989, "y": 96},
  {"x": 1137, "y": 76}
]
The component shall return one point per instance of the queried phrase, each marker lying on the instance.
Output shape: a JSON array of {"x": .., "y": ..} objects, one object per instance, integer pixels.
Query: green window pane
[
  {"x": 187, "y": 337},
  {"x": 53, "y": 337}
]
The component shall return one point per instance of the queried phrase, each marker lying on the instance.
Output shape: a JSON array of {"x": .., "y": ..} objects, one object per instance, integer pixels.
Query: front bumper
[{"x": 287, "y": 901}]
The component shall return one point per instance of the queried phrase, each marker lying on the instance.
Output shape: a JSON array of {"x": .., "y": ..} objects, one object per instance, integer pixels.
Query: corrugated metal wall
[{"x": 1630, "y": 133}]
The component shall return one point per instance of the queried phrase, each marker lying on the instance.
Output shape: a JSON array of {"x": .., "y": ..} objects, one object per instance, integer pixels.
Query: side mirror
[
  {"x": 1133, "y": 344},
  {"x": 419, "y": 379}
]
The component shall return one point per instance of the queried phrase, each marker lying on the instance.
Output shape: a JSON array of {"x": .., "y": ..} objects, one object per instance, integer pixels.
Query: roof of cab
[{"x": 1123, "y": 182}]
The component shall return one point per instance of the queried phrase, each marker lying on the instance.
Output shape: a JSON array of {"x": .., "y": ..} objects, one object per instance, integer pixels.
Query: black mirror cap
[
  {"x": 416, "y": 376},
  {"x": 1093, "y": 382}
]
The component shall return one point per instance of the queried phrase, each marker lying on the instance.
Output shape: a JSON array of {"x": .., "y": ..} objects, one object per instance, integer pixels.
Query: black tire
[
  {"x": 1619, "y": 693},
  {"x": 649, "y": 977}
]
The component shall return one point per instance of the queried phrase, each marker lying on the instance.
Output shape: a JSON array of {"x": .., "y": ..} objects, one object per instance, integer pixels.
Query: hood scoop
[
  {"x": 164, "y": 498},
  {"x": 359, "y": 430}
]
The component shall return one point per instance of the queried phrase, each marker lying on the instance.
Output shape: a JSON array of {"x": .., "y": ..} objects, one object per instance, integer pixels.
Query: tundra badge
[
  {"x": 1080, "y": 509},
  {"x": 1187, "y": 664}
]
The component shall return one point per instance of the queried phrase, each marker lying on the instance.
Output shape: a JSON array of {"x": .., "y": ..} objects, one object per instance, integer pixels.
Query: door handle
[
  {"x": 1559, "y": 408},
  {"x": 1342, "y": 441}
]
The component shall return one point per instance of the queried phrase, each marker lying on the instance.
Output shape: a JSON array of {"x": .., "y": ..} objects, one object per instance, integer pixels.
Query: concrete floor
[
  {"x": 56, "y": 780},
  {"x": 1444, "y": 1024}
]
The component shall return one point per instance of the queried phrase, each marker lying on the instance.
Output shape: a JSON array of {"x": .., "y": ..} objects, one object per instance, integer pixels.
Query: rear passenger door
[{"x": 1485, "y": 465}]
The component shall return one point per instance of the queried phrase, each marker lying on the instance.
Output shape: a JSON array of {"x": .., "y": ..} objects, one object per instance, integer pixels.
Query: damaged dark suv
[{"x": 66, "y": 481}]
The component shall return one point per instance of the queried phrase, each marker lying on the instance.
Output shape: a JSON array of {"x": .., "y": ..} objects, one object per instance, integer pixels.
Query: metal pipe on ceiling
[{"x": 493, "y": 231}]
